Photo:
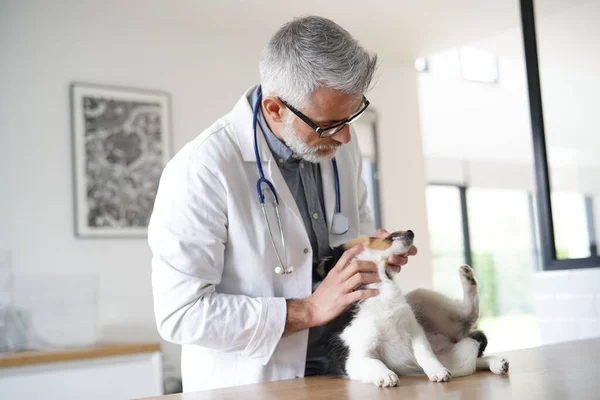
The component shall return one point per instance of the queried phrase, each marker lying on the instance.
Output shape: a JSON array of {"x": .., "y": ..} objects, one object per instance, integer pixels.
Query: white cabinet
[{"x": 115, "y": 376}]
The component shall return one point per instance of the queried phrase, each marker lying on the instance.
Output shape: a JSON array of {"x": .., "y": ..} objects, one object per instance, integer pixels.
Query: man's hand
[
  {"x": 334, "y": 294},
  {"x": 399, "y": 260}
]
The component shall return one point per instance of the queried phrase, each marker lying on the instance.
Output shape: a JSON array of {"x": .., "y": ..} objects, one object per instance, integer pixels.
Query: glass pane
[
  {"x": 571, "y": 234},
  {"x": 504, "y": 258},
  {"x": 568, "y": 55},
  {"x": 446, "y": 235},
  {"x": 369, "y": 178},
  {"x": 365, "y": 135}
]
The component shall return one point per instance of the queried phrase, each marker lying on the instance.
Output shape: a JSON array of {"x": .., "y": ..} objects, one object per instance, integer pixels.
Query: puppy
[{"x": 424, "y": 332}]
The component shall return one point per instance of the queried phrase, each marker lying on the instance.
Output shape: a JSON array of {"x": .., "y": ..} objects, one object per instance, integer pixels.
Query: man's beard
[{"x": 314, "y": 154}]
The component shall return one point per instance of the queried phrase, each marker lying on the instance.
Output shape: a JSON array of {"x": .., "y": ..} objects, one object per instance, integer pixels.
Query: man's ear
[{"x": 274, "y": 108}]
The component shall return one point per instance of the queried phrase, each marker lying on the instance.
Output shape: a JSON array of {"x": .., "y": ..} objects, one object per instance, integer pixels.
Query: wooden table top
[
  {"x": 23, "y": 358},
  {"x": 561, "y": 371}
]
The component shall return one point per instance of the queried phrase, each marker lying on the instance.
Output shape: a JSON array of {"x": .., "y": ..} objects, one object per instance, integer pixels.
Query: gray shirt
[{"x": 304, "y": 181}]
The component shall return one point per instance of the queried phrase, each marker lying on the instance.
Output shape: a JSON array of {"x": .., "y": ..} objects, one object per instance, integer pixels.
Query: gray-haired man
[{"x": 218, "y": 284}]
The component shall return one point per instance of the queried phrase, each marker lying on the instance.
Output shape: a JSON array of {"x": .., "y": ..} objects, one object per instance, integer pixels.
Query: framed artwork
[{"x": 121, "y": 143}]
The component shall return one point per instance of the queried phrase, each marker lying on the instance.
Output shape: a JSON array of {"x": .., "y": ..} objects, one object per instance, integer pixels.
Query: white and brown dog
[{"x": 424, "y": 332}]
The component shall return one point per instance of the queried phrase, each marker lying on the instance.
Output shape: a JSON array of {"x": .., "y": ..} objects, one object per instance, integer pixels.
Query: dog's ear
[
  {"x": 323, "y": 265},
  {"x": 327, "y": 262}
]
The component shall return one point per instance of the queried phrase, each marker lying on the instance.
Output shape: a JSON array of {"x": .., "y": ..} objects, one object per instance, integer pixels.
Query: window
[
  {"x": 504, "y": 258},
  {"x": 447, "y": 237},
  {"x": 494, "y": 231},
  {"x": 366, "y": 133},
  {"x": 571, "y": 225}
]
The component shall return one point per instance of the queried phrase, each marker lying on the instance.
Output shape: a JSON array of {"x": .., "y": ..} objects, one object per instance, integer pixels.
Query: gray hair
[{"x": 311, "y": 52}]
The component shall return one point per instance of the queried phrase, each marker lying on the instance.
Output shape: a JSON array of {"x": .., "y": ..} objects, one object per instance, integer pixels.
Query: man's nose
[{"x": 343, "y": 135}]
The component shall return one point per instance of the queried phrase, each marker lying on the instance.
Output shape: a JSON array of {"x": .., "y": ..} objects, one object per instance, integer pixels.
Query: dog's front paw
[
  {"x": 370, "y": 370},
  {"x": 499, "y": 366},
  {"x": 385, "y": 379},
  {"x": 442, "y": 375}
]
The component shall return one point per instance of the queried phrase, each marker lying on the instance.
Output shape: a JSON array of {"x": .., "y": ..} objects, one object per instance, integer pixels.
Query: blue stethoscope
[{"x": 339, "y": 224}]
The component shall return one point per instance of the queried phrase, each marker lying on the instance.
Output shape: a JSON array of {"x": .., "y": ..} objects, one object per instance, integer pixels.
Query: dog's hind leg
[
  {"x": 461, "y": 359},
  {"x": 497, "y": 365},
  {"x": 438, "y": 313},
  {"x": 470, "y": 303}
]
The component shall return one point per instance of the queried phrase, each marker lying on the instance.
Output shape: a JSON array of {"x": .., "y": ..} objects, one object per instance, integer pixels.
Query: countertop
[
  {"x": 24, "y": 358},
  {"x": 560, "y": 371}
]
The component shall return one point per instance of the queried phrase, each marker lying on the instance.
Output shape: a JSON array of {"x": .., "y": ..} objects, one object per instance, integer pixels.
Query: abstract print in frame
[{"x": 121, "y": 143}]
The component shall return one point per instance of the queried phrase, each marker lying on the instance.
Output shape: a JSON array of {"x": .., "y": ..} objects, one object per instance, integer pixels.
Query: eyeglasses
[{"x": 331, "y": 130}]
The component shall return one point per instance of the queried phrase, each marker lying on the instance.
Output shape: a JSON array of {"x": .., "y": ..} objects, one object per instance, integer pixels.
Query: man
[{"x": 218, "y": 285}]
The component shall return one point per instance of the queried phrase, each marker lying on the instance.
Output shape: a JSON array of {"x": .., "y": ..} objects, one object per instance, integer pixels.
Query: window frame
[
  {"x": 464, "y": 215},
  {"x": 550, "y": 262}
]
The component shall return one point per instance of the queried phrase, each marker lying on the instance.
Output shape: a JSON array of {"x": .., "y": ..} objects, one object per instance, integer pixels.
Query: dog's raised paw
[
  {"x": 499, "y": 366},
  {"x": 467, "y": 274},
  {"x": 386, "y": 379},
  {"x": 443, "y": 375}
]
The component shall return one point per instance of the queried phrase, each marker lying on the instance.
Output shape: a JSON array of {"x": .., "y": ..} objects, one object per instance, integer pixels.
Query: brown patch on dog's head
[
  {"x": 382, "y": 244},
  {"x": 379, "y": 244},
  {"x": 354, "y": 242},
  {"x": 396, "y": 243},
  {"x": 370, "y": 242}
]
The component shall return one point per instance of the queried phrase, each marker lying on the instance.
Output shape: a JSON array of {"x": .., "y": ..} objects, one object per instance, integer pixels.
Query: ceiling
[{"x": 404, "y": 29}]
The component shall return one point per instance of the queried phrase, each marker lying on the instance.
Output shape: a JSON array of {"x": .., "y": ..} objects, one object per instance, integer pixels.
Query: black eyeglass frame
[{"x": 323, "y": 132}]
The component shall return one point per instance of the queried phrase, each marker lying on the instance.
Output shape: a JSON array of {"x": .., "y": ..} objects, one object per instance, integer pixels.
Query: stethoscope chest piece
[
  {"x": 339, "y": 224},
  {"x": 279, "y": 270}
]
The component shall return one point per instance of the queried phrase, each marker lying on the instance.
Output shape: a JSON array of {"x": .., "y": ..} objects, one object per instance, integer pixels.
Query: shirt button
[
  {"x": 316, "y": 216},
  {"x": 281, "y": 161},
  {"x": 306, "y": 251}
]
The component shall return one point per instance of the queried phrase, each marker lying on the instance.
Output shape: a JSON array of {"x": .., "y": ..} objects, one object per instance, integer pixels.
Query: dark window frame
[
  {"x": 464, "y": 215},
  {"x": 542, "y": 174}
]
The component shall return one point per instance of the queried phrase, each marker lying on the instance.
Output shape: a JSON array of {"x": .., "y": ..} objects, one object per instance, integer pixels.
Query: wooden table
[{"x": 561, "y": 371}]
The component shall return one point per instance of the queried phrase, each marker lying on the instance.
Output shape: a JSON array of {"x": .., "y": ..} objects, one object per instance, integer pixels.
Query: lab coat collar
[{"x": 241, "y": 120}]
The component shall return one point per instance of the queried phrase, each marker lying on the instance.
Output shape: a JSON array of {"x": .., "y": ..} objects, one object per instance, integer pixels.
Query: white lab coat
[{"x": 215, "y": 289}]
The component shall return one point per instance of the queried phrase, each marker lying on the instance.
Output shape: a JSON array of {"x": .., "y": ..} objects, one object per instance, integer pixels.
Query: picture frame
[{"x": 122, "y": 141}]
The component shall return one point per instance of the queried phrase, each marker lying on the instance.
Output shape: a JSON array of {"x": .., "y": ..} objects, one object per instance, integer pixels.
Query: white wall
[
  {"x": 567, "y": 304},
  {"x": 402, "y": 165},
  {"x": 46, "y": 46}
]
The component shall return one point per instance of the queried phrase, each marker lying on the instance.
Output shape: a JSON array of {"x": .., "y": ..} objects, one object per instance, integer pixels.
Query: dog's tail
[{"x": 480, "y": 337}]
